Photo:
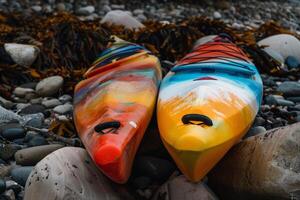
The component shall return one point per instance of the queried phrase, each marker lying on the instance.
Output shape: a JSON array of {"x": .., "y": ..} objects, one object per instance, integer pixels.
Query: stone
[
  {"x": 179, "y": 188},
  {"x": 142, "y": 182},
  {"x": 283, "y": 102},
  {"x": 5, "y": 171},
  {"x": 203, "y": 40},
  {"x": 292, "y": 62},
  {"x": 37, "y": 141},
  {"x": 274, "y": 54},
  {"x": 65, "y": 98},
  {"x": 121, "y": 18},
  {"x": 6, "y": 103},
  {"x": 51, "y": 103},
  {"x": 60, "y": 7},
  {"x": 156, "y": 168},
  {"x": 294, "y": 99},
  {"x": 63, "y": 109},
  {"x": 68, "y": 173},
  {"x": 36, "y": 8},
  {"x": 31, "y": 156},
  {"x": 87, "y": 10},
  {"x": 2, "y": 186},
  {"x": 10, "y": 195},
  {"x": 265, "y": 166},
  {"x": 33, "y": 109},
  {"x": 38, "y": 100},
  {"x": 8, "y": 116},
  {"x": 289, "y": 88},
  {"x": 21, "y": 92},
  {"x": 217, "y": 15},
  {"x": 33, "y": 120},
  {"x": 255, "y": 131},
  {"x": 284, "y": 44},
  {"x": 22, "y": 54},
  {"x": 12, "y": 131},
  {"x": 7, "y": 151},
  {"x": 20, "y": 174},
  {"x": 49, "y": 86}
]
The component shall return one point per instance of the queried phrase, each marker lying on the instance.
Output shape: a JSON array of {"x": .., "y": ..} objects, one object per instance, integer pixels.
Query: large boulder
[
  {"x": 265, "y": 166},
  {"x": 68, "y": 173}
]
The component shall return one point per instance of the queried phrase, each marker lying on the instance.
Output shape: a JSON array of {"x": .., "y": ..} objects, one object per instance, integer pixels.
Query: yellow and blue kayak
[{"x": 206, "y": 104}]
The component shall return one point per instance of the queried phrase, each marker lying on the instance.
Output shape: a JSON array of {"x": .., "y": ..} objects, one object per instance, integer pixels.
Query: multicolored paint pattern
[
  {"x": 114, "y": 105},
  {"x": 206, "y": 104}
]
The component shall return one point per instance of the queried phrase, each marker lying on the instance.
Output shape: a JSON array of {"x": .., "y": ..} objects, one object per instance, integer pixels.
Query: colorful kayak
[
  {"x": 114, "y": 105},
  {"x": 206, "y": 103}
]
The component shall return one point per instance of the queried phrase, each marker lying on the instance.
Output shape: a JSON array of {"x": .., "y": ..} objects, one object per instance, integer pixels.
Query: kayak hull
[
  {"x": 204, "y": 108},
  {"x": 114, "y": 105}
]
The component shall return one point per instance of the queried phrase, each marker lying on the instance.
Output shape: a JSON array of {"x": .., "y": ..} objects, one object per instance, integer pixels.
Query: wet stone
[
  {"x": 292, "y": 62},
  {"x": 142, "y": 182},
  {"x": 12, "y": 131},
  {"x": 155, "y": 168},
  {"x": 37, "y": 141},
  {"x": 33, "y": 109},
  {"x": 20, "y": 174},
  {"x": 289, "y": 88},
  {"x": 65, "y": 98}
]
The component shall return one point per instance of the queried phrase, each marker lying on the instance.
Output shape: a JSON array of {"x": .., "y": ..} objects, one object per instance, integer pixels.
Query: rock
[
  {"x": 156, "y": 168},
  {"x": 30, "y": 135},
  {"x": 60, "y": 7},
  {"x": 274, "y": 54},
  {"x": 21, "y": 92},
  {"x": 30, "y": 85},
  {"x": 10, "y": 195},
  {"x": 68, "y": 173},
  {"x": 283, "y": 102},
  {"x": 141, "y": 17},
  {"x": 121, "y": 18},
  {"x": 51, "y": 103},
  {"x": 37, "y": 141},
  {"x": 31, "y": 156},
  {"x": 141, "y": 182},
  {"x": 20, "y": 174},
  {"x": 4, "y": 171},
  {"x": 33, "y": 109},
  {"x": 49, "y": 86},
  {"x": 179, "y": 188},
  {"x": 2, "y": 186},
  {"x": 273, "y": 99},
  {"x": 284, "y": 44},
  {"x": 65, "y": 98},
  {"x": 203, "y": 40},
  {"x": 12, "y": 131},
  {"x": 217, "y": 15},
  {"x": 34, "y": 120},
  {"x": 7, "y": 151},
  {"x": 138, "y": 11},
  {"x": 36, "y": 100},
  {"x": 22, "y": 54},
  {"x": 8, "y": 116},
  {"x": 294, "y": 99},
  {"x": 36, "y": 8},
  {"x": 292, "y": 62},
  {"x": 289, "y": 88},
  {"x": 265, "y": 166},
  {"x": 63, "y": 109},
  {"x": 6, "y": 103},
  {"x": 255, "y": 131},
  {"x": 86, "y": 10}
]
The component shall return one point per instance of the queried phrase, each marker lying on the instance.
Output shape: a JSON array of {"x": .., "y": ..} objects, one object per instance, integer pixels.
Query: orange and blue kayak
[
  {"x": 206, "y": 104},
  {"x": 114, "y": 104}
]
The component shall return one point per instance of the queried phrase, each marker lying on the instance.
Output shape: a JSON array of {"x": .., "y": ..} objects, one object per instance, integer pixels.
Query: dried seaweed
[{"x": 68, "y": 46}]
